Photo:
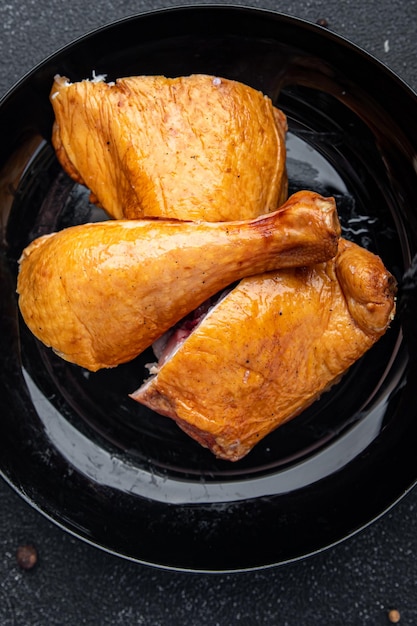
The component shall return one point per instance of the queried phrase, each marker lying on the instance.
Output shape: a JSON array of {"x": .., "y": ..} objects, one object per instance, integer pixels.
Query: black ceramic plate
[{"x": 109, "y": 471}]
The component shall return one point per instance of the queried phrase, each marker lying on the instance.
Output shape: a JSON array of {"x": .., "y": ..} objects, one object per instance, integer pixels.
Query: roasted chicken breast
[
  {"x": 192, "y": 148},
  {"x": 100, "y": 293},
  {"x": 270, "y": 348}
]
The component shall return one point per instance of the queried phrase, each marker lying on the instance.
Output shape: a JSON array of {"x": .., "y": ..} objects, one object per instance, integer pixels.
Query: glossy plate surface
[{"x": 110, "y": 471}]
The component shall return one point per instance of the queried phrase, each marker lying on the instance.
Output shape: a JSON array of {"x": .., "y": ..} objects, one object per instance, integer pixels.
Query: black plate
[{"x": 111, "y": 472}]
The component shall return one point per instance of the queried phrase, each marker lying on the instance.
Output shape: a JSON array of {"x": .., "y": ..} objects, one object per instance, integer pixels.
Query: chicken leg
[
  {"x": 101, "y": 293},
  {"x": 270, "y": 348}
]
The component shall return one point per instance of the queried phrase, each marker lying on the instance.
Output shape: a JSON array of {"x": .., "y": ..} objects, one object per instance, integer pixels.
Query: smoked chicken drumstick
[{"x": 100, "y": 293}]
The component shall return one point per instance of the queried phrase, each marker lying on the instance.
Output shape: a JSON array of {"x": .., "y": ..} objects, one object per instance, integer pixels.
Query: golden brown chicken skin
[
  {"x": 270, "y": 348},
  {"x": 192, "y": 148},
  {"x": 101, "y": 293}
]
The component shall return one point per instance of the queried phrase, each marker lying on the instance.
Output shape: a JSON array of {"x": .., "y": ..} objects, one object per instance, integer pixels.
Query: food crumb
[
  {"x": 322, "y": 22},
  {"x": 26, "y": 556},
  {"x": 394, "y": 616}
]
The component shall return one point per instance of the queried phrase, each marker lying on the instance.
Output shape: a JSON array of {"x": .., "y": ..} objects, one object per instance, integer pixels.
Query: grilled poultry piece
[
  {"x": 100, "y": 293},
  {"x": 270, "y": 348},
  {"x": 192, "y": 148}
]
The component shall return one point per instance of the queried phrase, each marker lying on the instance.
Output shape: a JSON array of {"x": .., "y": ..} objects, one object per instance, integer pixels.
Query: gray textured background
[{"x": 354, "y": 583}]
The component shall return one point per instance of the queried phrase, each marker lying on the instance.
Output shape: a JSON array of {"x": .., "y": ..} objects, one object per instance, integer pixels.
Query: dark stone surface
[{"x": 354, "y": 583}]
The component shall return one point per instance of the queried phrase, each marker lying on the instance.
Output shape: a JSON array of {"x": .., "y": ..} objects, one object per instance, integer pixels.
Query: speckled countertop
[{"x": 357, "y": 582}]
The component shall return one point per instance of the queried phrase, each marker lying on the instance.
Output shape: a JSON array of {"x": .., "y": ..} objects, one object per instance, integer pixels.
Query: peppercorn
[
  {"x": 26, "y": 556},
  {"x": 394, "y": 616}
]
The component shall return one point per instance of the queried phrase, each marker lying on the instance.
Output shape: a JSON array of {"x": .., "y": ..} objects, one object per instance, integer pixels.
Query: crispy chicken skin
[
  {"x": 100, "y": 293},
  {"x": 270, "y": 348},
  {"x": 192, "y": 148}
]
